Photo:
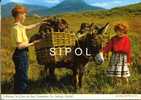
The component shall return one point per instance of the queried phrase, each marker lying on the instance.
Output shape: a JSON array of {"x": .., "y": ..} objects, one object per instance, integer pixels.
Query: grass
[{"x": 95, "y": 79}]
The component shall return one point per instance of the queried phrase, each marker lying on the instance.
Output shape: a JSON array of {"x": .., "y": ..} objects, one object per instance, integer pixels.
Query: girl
[
  {"x": 120, "y": 47},
  {"x": 20, "y": 56}
]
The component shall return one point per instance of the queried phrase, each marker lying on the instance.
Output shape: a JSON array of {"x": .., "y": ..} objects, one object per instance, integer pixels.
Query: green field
[{"x": 95, "y": 80}]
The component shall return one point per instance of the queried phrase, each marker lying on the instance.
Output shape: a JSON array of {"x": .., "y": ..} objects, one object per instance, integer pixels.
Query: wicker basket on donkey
[{"x": 56, "y": 40}]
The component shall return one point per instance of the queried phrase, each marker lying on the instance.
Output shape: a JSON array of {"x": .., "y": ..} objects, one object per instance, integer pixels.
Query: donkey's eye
[{"x": 94, "y": 31}]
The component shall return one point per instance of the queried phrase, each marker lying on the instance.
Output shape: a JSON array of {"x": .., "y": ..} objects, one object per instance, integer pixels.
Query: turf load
[
  {"x": 53, "y": 33},
  {"x": 57, "y": 41}
]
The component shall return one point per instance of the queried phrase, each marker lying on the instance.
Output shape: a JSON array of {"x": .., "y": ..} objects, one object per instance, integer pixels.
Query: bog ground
[{"x": 95, "y": 80}]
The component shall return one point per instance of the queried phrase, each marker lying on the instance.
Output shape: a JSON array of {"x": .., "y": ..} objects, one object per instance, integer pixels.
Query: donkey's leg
[
  {"x": 46, "y": 70},
  {"x": 43, "y": 72},
  {"x": 81, "y": 71},
  {"x": 52, "y": 71},
  {"x": 52, "y": 76},
  {"x": 80, "y": 79},
  {"x": 75, "y": 78}
]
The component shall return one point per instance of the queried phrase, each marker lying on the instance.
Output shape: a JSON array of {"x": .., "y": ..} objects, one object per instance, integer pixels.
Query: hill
[
  {"x": 69, "y": 6},
  {"x": 65, "y": 6},
  {"x": 6, "y": 9}
]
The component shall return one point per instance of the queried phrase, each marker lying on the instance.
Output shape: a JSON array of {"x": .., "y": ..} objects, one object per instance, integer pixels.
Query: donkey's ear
[
  {"x": 103, "y": 29},
  {"x": 106, "y": 28}
]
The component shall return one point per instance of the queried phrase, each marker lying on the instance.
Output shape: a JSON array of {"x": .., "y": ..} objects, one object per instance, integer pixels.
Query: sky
[{"x": 108, "y": 4}]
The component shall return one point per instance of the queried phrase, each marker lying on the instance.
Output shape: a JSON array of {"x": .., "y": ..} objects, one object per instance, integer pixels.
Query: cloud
[
  {"x": 39, "y": 1},
  {"x": 48, "y": 3},
  {"x": 111, "y": 3},
  {"x": 107, "y": 4},
  {"x": 101, "y": 3},
  {"x": 18, "y": 1},
  {"x": 52, "y": 1}
]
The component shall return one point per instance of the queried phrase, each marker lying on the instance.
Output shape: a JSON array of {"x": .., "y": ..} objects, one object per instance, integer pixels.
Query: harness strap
[{"x": 77, "y": 38}]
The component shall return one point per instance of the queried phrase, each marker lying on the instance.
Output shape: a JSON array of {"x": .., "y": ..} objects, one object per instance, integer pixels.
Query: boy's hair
[
  {"x": 18, "y": 9},
  {"x": 121, "y": 27}
]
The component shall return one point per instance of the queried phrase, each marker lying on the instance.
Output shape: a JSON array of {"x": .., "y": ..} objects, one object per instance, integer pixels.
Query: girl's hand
[
  {"x": 128, "y": 64},
  {"x": 101, "y": 50}
]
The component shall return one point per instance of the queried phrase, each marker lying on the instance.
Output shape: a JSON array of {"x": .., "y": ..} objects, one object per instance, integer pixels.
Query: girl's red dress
[{"x": 119, "y": 45}]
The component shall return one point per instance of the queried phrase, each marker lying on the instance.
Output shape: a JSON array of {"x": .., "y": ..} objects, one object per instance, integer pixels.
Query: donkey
[{"x": 91, "y": 41}]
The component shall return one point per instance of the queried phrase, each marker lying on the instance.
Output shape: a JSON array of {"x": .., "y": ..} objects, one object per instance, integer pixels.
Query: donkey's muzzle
[{"x": 99, "y": 59}]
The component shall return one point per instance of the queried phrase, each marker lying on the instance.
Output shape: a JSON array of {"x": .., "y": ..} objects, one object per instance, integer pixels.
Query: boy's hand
[
  {"x": 36, "y": 41},
  {"x": 44, "y": 19}
]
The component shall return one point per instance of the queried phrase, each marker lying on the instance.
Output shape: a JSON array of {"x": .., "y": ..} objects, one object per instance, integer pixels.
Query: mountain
[
  {"x": 64, "y": 6},
  {"x": 130, "y": 8},
  {"x": 6, "y": 9},
  {"x": 68, "y": 6}
]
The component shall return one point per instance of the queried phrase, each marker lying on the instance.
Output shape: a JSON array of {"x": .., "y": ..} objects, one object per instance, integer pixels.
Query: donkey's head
[{"x": 94, "y": 43}]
